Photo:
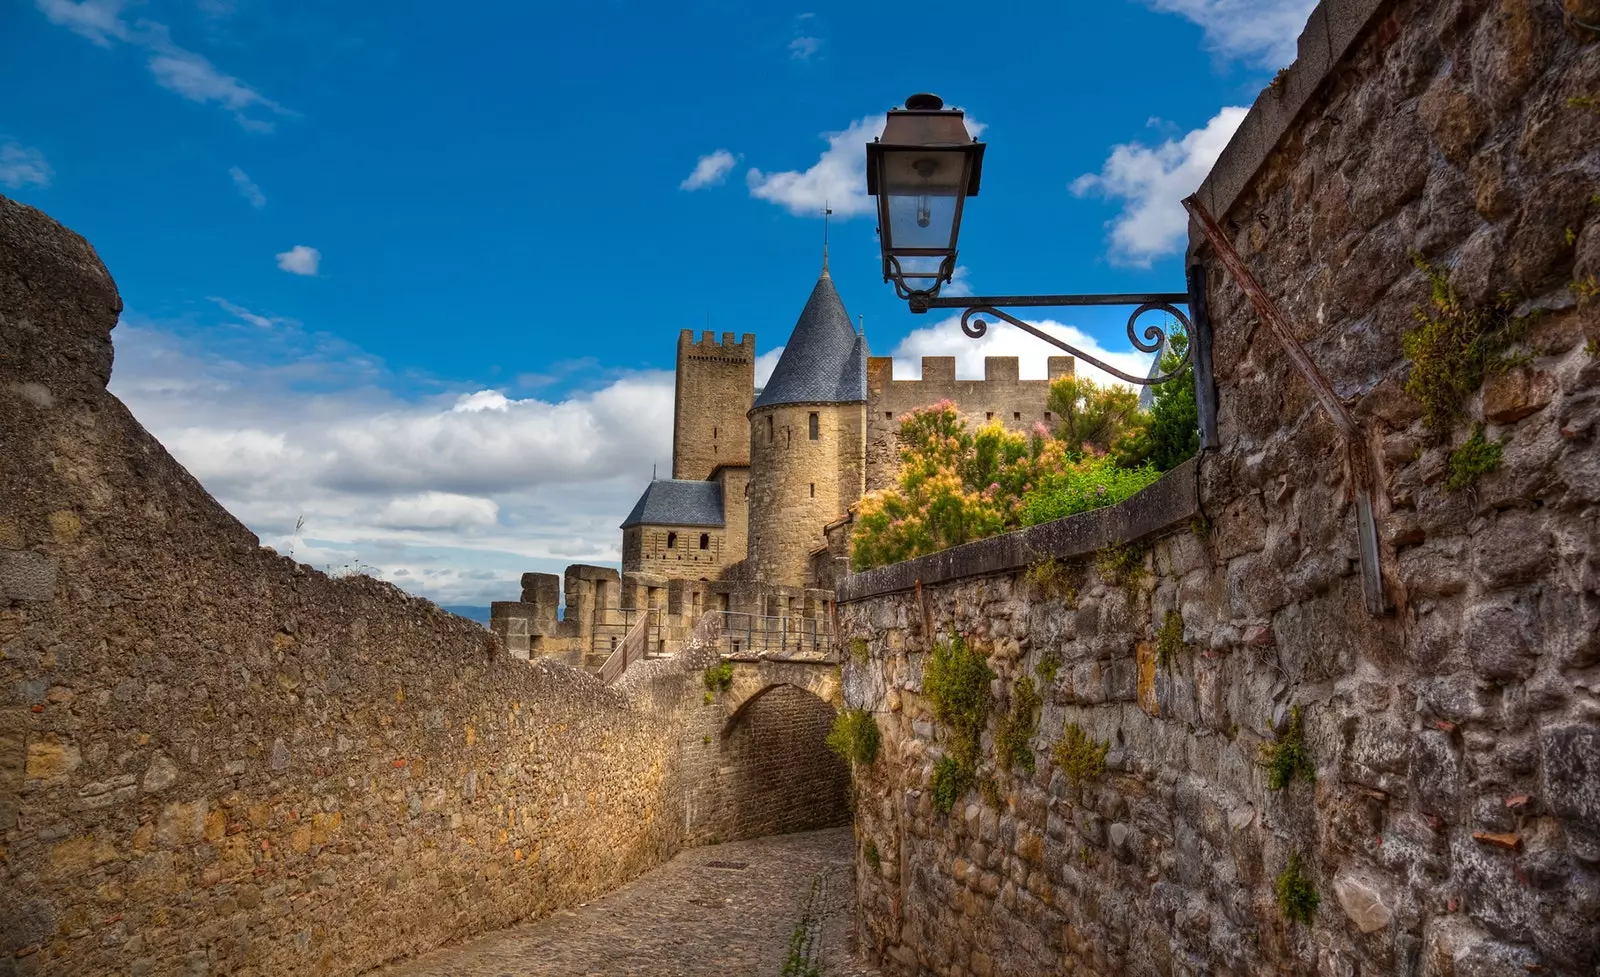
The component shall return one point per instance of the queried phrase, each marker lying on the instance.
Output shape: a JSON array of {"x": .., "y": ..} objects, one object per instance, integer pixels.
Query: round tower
[{"x": 807, "y": 444}]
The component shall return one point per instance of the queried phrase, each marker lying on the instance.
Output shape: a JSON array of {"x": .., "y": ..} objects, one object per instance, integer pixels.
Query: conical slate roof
[
  {"x": 678, "y": 502},
  {"x": 824, "y": 362}
]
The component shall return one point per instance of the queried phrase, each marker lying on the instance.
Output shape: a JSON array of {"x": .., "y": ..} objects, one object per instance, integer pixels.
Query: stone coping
[
  {"x": 1330, "y": 32},
  {"x": 1173, "y": 500}
]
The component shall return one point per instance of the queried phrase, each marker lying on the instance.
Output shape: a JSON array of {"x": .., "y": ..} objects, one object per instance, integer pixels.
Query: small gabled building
[{"x": 678, "y": 529}]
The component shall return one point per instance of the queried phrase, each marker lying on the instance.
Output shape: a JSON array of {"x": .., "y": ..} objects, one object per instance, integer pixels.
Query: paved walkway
[{"x": 726, "y": 910}]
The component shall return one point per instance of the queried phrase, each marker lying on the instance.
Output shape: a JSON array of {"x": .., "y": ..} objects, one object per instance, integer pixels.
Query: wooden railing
[{"x": 633, "y": 647}]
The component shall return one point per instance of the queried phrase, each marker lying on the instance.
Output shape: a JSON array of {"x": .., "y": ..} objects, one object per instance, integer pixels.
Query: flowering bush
[{"x": 958, "y": 485}]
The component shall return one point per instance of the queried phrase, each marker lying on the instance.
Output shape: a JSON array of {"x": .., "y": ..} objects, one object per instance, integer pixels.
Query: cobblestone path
[{"x": 725, "y": 910}]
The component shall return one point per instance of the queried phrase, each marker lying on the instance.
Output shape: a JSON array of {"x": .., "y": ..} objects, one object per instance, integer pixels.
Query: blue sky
[{"x": 412, "y": 277}]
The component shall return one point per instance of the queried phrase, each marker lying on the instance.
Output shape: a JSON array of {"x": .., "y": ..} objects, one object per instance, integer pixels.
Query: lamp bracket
[{"x": 1154, "y": 337}]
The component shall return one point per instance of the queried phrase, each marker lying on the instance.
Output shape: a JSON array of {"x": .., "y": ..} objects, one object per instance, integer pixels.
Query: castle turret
[
  {"x": 807, "y": 439},
  {"x": 716, "y": 381}
]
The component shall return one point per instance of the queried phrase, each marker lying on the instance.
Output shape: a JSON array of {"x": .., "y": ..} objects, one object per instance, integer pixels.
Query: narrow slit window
[
  {"x": 771, "y": 430},
  {"x": 813, "y": 490},
  {"x": 816, "y": 426}
]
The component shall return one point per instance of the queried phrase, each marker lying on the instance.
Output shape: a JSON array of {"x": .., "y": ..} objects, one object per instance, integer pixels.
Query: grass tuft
[
  {"x": 1288, "y": 758},
  {"x": 1475, "y": 458},
  {"x": 1079, "y": 755}
]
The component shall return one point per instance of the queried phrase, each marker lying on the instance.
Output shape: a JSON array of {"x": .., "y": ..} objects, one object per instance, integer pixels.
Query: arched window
[
  {"x": 705, "y": 541},
  {"x": 816, "y": 426},
  {"x": 672, "y": 540}
]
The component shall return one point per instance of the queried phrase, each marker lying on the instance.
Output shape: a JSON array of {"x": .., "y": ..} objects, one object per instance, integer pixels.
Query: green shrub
[
  {"x": 1093, "y": 418},
  {"x": 1454, "y": 346},
  {"x": 1091, "y": 484},
  {"x": 859, "y": 651},
  {"x": 1297, "y": 895},
  {"x": 1169, "y": 640},
  {"x": 1017, "y": 727},
  {"x": 1049, "y": 665},
  {"x": 873, "y": 858},
  {"x": 1171, "y": 435},
  {"x": 956, "y": 682},
  {"x": 951, "y": 780},
  {"x": 1476, "y": 457},
  {"x": 1079, "y": 756},
  {"x": 1288, "y": 757},
  {"x": 855, "y": 736},
  {"x": 719, "y": 677}
]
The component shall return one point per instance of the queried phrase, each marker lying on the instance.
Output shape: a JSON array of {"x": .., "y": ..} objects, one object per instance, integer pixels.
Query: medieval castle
[
  {"x": 754, "y": 520},
  {"x": 758, "y": 476}
]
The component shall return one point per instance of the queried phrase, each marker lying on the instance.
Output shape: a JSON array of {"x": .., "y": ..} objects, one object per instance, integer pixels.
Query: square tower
[{"x": 716, "y": 385}]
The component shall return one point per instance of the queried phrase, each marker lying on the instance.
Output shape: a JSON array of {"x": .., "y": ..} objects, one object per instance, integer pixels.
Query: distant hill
[{"x": 479, "y": 614}]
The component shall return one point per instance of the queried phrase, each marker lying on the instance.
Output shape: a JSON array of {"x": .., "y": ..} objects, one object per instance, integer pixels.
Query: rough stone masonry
[
  {"x": 1447, "y": 820},
  {"x": 214, "y": 760}
]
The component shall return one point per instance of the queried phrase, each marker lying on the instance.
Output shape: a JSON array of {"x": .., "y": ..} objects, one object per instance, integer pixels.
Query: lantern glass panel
[{"x": 924, "y": 220}]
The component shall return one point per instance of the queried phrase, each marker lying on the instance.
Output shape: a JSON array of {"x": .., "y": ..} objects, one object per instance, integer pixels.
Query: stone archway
[{"x": 773, "y": 772}]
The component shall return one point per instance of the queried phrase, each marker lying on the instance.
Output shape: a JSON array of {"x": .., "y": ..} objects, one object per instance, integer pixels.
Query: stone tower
[
  {"x": 807, "y": 439},
  {"x": 716, "y": 381}
]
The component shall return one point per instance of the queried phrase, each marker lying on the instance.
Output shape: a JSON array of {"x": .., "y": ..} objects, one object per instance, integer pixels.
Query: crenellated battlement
[
  {"x": 1000, "y": 397},
  {"x": 710, "y": 347}
]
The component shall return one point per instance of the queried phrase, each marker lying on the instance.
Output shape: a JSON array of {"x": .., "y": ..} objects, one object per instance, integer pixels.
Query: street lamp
[{"x": 922, "y": 169}]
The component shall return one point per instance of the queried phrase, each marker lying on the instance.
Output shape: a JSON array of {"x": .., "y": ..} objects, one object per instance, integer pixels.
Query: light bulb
[{"x": 924, "y": 212}]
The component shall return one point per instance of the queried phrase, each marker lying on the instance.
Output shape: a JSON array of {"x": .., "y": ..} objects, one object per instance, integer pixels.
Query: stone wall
[
  {"x": 1453, "y": 823},
  {"x": 716, "y": 384},
  {"x": 215, "y": 760},
  {"x": 676, "y": 551},
  {"x": 1000, "y": 396}
]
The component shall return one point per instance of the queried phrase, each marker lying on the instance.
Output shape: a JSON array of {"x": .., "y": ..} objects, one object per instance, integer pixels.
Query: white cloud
[
  {"x": 300, "y": 260},
  {"x": 198, "y": 80},
  {"x": 245, "y": 315},
  {"x": 1152, "y": 182},
  {"x": 804, "y": 48},
  {"x": 838, "y": 178},
  {"x": 960, "y": 283},
  {"x": 1262, "y": 32},
  {"x": 439, "y": 510},
  {"x": 174, "y": 68},
  {"x": 765, "y": 364},
  {"x": 98, "y": 20},
  {"x": 710, "y": 171},
  {"x": 247, "y": 187},
  {"x": 451, "y": 495},
  {"x": 22, "y": 166},
  {"x": 945, "y": 338}
]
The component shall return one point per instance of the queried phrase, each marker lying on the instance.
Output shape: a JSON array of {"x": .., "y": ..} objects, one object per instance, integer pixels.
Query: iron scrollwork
[{"x": 1155, "y": 338}]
